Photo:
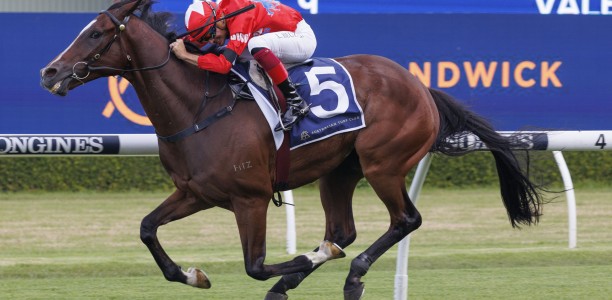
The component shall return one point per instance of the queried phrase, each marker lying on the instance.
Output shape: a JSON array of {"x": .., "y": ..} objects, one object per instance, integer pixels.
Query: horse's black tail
[{"x": 521, "y": 197}]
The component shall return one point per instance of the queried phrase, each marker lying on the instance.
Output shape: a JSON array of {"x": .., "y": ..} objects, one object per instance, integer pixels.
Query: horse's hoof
[
  {"x": 356, "y": 293},
  {"x": 276, "y": 296},
  {"x": 197, "y": 278},
  {"x": 335, "y": 250}
]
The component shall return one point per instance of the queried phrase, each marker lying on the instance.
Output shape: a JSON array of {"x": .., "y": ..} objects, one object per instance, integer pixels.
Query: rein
[{"x": 161, "y": 65}]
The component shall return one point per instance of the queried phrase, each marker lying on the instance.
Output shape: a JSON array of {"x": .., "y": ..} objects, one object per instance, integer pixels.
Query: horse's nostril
[{"x": 49, "y": 72}]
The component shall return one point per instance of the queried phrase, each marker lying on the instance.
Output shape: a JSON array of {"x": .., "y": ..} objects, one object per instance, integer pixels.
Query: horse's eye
[{"x": 95, "y": 35}]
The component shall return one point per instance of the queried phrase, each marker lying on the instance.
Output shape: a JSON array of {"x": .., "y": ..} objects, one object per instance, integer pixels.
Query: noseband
[{"x": 119, "y": 28}]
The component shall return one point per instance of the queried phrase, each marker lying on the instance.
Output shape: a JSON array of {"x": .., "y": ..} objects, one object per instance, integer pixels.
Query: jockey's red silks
[{"x": 272, "y": 65}]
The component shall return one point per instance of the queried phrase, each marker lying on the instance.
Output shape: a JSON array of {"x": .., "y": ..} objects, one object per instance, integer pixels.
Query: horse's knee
[
  {"x": 257, "y": 270},
  {"x": 415, "y": 221},
  {"x": 257, "y": 273},
  {"x": 147, "y": 231},
  {"x": 262, "y": 272},
  {"x": 409, "y": 224},
  {"x": 418, "y": 221},
  {"x": 403, "y": 226}
]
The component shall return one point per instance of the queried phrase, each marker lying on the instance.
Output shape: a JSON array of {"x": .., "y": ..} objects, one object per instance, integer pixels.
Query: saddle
[{"x": 257, "y": 76}]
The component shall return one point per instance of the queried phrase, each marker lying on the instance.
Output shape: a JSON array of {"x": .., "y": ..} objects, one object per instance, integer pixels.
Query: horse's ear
[
  {"x": 127, "y": 8},
  {"x": 134, "y": 7}
]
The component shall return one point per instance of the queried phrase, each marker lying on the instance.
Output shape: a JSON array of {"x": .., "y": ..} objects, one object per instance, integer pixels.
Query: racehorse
[{"x": 404, "y": 121}]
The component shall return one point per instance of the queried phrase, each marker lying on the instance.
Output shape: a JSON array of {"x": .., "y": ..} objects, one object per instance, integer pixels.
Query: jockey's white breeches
[{"x": 288, "y": 46}]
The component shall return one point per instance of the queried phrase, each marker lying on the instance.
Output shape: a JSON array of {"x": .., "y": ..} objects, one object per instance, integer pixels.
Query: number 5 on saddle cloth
[{"x": 322, "y": 82}]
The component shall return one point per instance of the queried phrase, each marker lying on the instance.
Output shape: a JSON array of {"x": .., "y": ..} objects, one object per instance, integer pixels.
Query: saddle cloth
[{"x": 325, "y": 85}]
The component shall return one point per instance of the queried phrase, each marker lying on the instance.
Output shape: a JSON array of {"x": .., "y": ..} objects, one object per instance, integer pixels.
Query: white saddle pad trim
[
  {"x": 270, "y": 113},
  {"x": 272, "y": 116}
]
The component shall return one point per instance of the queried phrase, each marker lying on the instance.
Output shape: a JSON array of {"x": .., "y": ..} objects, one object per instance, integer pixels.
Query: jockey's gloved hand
[{"x": 191, "y": 47}]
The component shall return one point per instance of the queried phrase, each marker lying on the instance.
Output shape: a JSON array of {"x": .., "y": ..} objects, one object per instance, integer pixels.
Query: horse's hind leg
[
  {"x": 177, "y": 206},
  {"x": 404, "y": 219},
  {"x": 336, "y": 191}
]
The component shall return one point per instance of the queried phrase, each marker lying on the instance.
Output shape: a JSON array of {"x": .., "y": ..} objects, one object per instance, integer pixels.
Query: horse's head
[{"x": 100, "y": 43}]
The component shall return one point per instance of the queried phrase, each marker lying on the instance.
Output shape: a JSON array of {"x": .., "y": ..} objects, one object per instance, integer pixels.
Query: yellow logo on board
[{"x": 116, "y": 89}]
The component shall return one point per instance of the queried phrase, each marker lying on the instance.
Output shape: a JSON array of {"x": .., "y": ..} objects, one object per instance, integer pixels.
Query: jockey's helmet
[{"x": 199, "y": 14}]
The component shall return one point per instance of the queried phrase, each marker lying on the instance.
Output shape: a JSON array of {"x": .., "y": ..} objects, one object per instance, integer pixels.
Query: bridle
[{"x": 120, "y": 27}]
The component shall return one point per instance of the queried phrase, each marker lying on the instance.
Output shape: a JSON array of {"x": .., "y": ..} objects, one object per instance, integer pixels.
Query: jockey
[{"x": 272, "y": 32}]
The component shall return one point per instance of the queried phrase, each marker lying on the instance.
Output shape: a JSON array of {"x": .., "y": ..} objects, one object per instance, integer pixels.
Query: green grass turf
[{"x": 86, "y": 246}]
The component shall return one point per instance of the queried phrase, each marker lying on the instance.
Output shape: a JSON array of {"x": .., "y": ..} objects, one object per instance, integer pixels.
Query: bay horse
[{"x": 404, "y": 121}]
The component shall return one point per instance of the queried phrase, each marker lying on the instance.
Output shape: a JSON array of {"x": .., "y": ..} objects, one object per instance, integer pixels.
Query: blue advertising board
[
  {"x": 583, "y": 7},
  {"x": 544, "y": 72},
  {"x": 523, "y": 70}
]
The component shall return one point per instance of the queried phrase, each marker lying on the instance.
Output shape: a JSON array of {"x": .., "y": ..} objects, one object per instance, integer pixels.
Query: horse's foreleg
[
  {"x": 177, "y": 206},
  {"x": 251, "y": 219},
  {"x": 291, "y": 281},
  {"x": 336, "y": 191}
]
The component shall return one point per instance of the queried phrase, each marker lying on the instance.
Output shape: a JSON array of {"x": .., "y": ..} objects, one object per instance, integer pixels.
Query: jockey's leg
[
  {"x": 273, "y": 49},
  {"x": 296, "y": 106}
]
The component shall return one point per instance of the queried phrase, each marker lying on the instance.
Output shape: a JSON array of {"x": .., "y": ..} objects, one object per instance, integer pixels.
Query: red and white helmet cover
[{"x": 198, "y": 14}]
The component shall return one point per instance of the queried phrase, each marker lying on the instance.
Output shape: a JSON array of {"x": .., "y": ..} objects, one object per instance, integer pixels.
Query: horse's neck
[{"x": 170, "y": 95}]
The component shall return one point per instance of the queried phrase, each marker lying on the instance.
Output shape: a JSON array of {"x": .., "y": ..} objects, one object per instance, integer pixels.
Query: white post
[
  {"x": 401, "y": 268},
  {"x": 290, "y": 211},
  {"x": 571, "y": 198}
]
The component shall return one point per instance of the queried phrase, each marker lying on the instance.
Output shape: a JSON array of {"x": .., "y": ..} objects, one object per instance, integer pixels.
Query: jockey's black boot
[{"x": 297, "y": 108}]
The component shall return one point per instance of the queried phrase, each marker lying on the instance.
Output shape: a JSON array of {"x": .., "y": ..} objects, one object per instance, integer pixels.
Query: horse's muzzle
[{"x": 51, "y": 80}]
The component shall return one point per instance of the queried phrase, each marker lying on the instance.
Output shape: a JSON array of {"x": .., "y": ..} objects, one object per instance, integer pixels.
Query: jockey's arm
[
  {"x": 212, "y": 62},
  {"x": 217, "y": 63}
]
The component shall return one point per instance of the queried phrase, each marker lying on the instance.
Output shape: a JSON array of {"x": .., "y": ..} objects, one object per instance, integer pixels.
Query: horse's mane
[{"x": 161, "y": 22}]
